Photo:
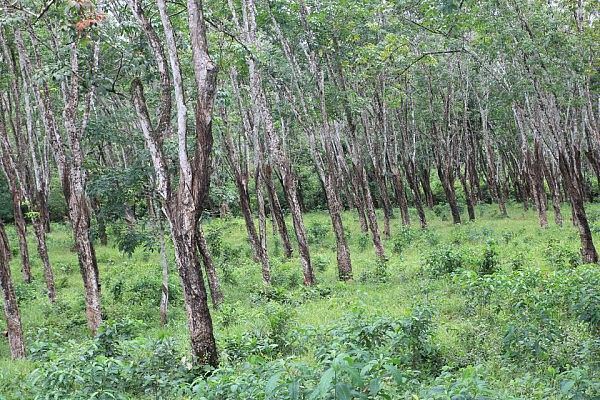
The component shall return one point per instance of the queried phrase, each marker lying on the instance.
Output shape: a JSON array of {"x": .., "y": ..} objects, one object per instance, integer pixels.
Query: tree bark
[
  {"x": 216, "y": 294},
  {"x": 16, "y": 341},
  {"x": 448, "y": 184},
  {"x": 588, "y": 250},
  {"x": 424, "y": 179},
  {"x": 277, "y": 212}
]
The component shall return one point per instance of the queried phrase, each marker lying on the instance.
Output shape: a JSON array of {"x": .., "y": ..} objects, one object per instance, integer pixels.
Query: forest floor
[{"x": 497, "y": 308}]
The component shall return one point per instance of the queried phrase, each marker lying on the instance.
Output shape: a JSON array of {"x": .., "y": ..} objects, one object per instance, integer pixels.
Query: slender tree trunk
[
  {"x": 16, "y": 341},
  {"x": 468, "y": 196},
  {"x": 448, "y": 185},
  {"x": 277, "y": 212},
  {"x": 342, "y": 250},
  {"x": 401, "y": 196},
  {"x": 359, "y": 204},
  {"x": 588, "y": 250},
  {"x": 88, "y": 266},
  {"x": 414, "y": 186},
  {"x": 40, "y": 234},
  {"x": 424, "y": 178},
  {"x": 4, "y": 243},
  {"x": 164, "y": 263},
  {"x": 538, "y": 183},
  {"x": 554, "y": 192},
  {"x": 386, "y": 203},
  {"x": 292, "y": 198},
  {"x": 21, "y": 227},
  {"x": 101, "y": 223},
  {"x": 502, "y": 192},
  {"x": 239, "y": 168},
  {"x": 262, "y": 228},
  {"x": 213, "y": 280},
  {"x": 14, "y": 185},
  {"x": 371, "y": 215}
]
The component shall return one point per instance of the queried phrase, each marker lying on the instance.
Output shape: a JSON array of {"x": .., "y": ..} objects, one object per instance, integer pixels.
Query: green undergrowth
[{"x": 493, "y": 309}]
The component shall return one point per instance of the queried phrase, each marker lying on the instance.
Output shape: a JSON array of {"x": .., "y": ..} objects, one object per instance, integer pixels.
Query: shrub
[
  {"x": 114, "y": 365},
  {"x": 489, "y": 263},
  {"x": 444, "y": 260},
  {"x": 363, "y": 241},
  {"x": 317, "y": 232},
  {"x": 560, "y": 256},
  {"x": 320, "y": 262},
  {"x": 441, "y": 211},
  {"x": 379, "y": 274},
  {"x": 402, "y": 239}
]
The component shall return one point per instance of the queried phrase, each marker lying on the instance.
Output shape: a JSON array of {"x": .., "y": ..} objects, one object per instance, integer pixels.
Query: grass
[{"x": 466, "y": 332}]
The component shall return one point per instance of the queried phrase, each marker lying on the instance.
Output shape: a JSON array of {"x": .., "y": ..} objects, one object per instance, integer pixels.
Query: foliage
[{"x": 444, "y": 260}]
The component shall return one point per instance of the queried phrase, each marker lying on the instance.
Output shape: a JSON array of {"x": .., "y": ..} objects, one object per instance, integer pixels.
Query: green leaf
[
  {"x": 272, "y": 385},
  {"x": 566, "y": 386},
  {"x": 294, "y": 390},
  {"x": 342, "y": 391}
]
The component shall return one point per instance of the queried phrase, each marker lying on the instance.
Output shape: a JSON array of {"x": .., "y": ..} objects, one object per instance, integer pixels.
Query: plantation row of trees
[{"x": 140, "y": 107}]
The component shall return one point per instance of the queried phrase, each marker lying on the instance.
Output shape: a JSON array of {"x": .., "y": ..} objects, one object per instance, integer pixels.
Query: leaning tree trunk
[
  {"x": 588, "y": 250},
  {"x": 11, "y": 308}
]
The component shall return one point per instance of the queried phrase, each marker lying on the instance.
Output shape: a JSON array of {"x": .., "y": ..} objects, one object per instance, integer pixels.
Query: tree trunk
[
  {"x": 88, "y": 266},
  {"x": 216, "y": 294},
  {"x": 21, "y": 228},
  {"x": 239, "y": 168},
  {"x": 538, "y": 184},
  {"x": 11, "y": 308},
  {"x": 401, "y": 196},
  {"x": 40, "y": 234},
  {"x": 335, "y": 212},
  {"x": 468, "y": 197},
  {"x": 359, "y": 204},
  {"x": 386, "y": 203},
  {"x": 371, "y": 215},
  {"x": 262, "y": 227},
  {"x": 4, "y": 243},
  {"x": 414, "y": 186},
  {"x": 289, "y": 186},
  {"x": 554, "y": 192},
  {"x": 277, "y": 212},
  {"x": 196, "y": 304},
  {"x": 164, "y": 263},
  {"x": 426, "y": 184},
  {"x": 448, "y": 185},
  {"x": 588, "y": 250}
]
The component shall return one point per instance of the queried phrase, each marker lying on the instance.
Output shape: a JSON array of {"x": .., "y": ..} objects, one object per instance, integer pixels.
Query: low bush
[{"x": 444, "y": 260}]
